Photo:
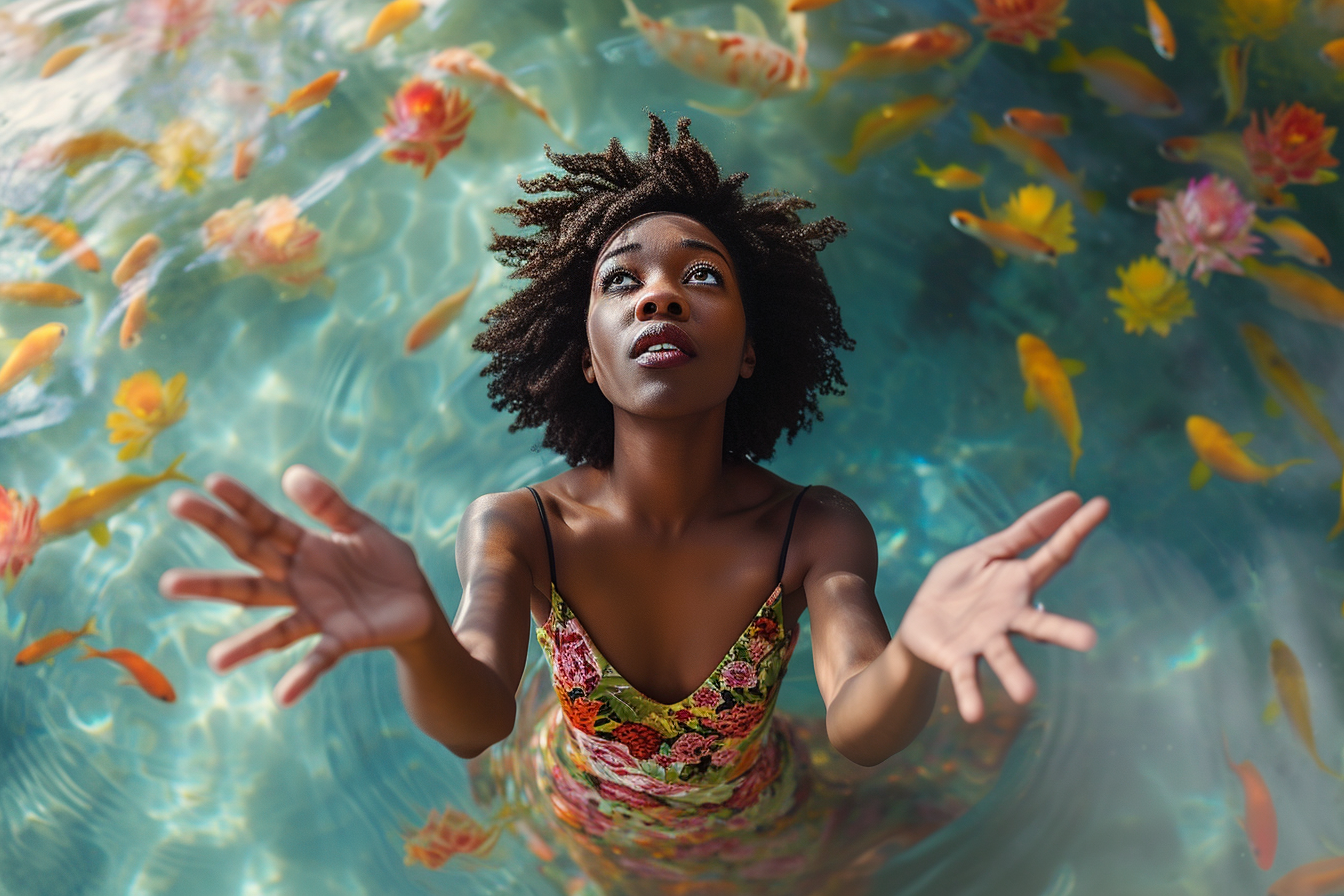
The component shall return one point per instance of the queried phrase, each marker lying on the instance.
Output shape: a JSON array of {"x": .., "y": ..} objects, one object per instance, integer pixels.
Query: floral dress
[{"x": 717, "y": 793}]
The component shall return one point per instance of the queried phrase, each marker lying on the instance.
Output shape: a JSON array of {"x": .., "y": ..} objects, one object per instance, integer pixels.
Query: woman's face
[{"x": 667, "y": 333}]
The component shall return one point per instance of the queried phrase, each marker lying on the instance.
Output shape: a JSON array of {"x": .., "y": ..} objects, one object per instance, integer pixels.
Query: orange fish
[
  {"x": 1298, "y": 291},
  {"x": 888, "y": 125},
  {"x": 33, "y": 350},
  {"x": 1262, "y": 826},
  {"x": 469, "y": 62},
  {"x": 244, "y": 155},
  {"x": 391, "y": 19},
  {"x": 314, "y": 92},
  {"x": 1125, "y": 83},
  {"x": 50, "y": 295},
  {"x": 52, "y": 643},
  {"x": 149, "y": 678},
  {"x": 1004, "y": 237},
  {"x": 950, "y": 177},
  {"x": 1290, "y": 684},
  {"x": 1145, "y": 199},
  {"x": 1159, "y": 29},
  {"x": 1220, "y": 452},
  {"x": 1047, "y": 378},
  {"x": 1295, "y": 240},
  {"x": 1319, "y": 878},
  {"x": 1040, "y": 125},
  {"x": 1038, "y": 159},
  {"x": 134, "y": 320},
  {"x": 141, "y": 253},
  {"x": 1332, "y": 54},
  {"x": 436, "y": 320},
  {"x": 61, "y": 58},
  {"x": 62, "y": 236},
  {"x": 904, "y": 54},
  {"x": 1233, "y": 71}
]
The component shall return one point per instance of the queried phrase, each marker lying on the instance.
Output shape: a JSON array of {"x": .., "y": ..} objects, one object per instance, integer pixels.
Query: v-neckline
[{"x": 602, "y": 659}]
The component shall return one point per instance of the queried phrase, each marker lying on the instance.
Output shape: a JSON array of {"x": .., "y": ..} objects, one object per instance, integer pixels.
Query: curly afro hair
[{"x": 538, "y": 336}]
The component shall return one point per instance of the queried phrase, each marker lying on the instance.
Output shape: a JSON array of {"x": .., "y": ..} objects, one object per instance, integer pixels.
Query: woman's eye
[
  {"x": 704, "y": 275},
  {"x": 618, "y": 279}
]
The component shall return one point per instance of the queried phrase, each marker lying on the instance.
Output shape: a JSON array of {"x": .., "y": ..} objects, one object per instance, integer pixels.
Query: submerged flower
[
  {"x": 152, "y": 406},
  {"x": 1032, "y": 209},
  {"x": 20, "y": 536},
  {"x": 1257, "y": 18},
  {"x": 449, "y": 834},
  {"x": 1208, "y": 225},
  {"x": 424, "y": 123},
  {"x": 1291, "y": 146},
  {"x": 169, "y": 24},
  {"x": 185, "y": 148},
  {"x": 1022, "y": 23},
  {"x": 1151, "y": 296},
  {"x": 269, "y": 238}
]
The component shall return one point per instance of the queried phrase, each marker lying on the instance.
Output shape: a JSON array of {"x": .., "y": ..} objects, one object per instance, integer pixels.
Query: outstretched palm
[{"x": 358, "y": 587}]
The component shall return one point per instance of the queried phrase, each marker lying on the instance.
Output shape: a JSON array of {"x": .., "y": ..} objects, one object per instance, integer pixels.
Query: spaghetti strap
[
  {"x": 546, "y": 527},
  {"x": 788, "y": 533}
]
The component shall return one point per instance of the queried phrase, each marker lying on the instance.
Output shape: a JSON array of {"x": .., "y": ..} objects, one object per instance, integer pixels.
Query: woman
[{"x": 671, "y": 330}]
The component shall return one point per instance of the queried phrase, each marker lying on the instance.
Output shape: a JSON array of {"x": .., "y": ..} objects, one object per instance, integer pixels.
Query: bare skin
[{"x": 664, "y": 556}]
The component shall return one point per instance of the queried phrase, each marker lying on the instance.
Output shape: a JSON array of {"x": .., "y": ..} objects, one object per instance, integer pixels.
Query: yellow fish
[
  {"x": 1298, "y": 291},
  {"x": 50, "y": 295},
  {"x": 1047, "y": 379},
  {"x": 1222, "y": 453},
  {"x": 1332, "y": 54},
  {"x": 1038, "y": 159},
  {"x": 1233, "y": 64},
  {"x": 888, "y": 125},
  {"x": 314, "y": 92},
  {"x": 1285, "y": 380},
  {"x": 1006, "y": 238},
  {"x": 1291, "y": 686},
  {"x": 904, "y": 54},
  {"x": 1125, "y": 83},
  {"x": 33, "y": 350},
  {"x": 1159, "y": 30},
  {"x": 61, "y": 58},
  {"x": 63, "y": 236},
  {"x": 950, "y": 177},
  {"x": 436, "y": 320},
  {"x": 135, "y": 259},
  {"x": 391, "y": 19},
  {"x": 90, "y": 509},
  {"x": 77, "y": 152},
  {"x": 1295, "y": 240}
]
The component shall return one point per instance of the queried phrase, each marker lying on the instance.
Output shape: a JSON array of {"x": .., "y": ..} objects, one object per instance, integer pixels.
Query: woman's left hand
[{"x": 974, "y": 598}]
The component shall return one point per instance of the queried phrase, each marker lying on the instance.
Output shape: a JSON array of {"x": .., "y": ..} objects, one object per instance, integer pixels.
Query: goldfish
[
  {"x": 50, "y": 295},
  {"x": 1298, "y": 291},
  {"x": 154, "y": 682},
  {"x": 1261, "y": 824},
  {"x": 50, "y": 644},
  {"x": 1221, "y": 453},
  {"x": 1159, "y": 30},
  {"x": 90, "y": 508},
  {"x": 1332, "y": 54},
  {"x": 436, "y": 319},
  {"x": 1145, "y": 199},
  {"x": 140, "y": 254},
  {"x": 1319, "y": 878},
  {"x": 469, "y": 62},
  {"x": 1038, "y": 159},
  {"x": 1290, "y": 683},
  {"x": 950, "y": 177},
  {"x": 1285, "y": 380},
  {"x": 153, "y": 406},
  {"x": 1000, "y": 236},
  {"x": 244, "y": 156},
  {"x": 904, "y": 54},
  {"x": 1040, "y": 125},
  {"x": 1295, "y": 240},
  {"x": 745, "y": 58},
  {"x": 1122, "y": 81},
  {"x": 314, "y": 92},
  {"x": 888, "y": 125},
  {"x": 136, "y": 316},
  {"x": 1047, "y": 379},
  {"x": 61, "y": 59},
  {"x": 62, "y": 236},
  {"x": 391, "y": 19},
  {"x": 78, "y": 152},
  {"x": 33, "y": 350},
  {"x": 1233, "y": 68}
]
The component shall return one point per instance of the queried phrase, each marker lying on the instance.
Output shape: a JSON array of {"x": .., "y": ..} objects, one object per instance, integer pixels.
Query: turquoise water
[{"x": 1117, "y": 785}]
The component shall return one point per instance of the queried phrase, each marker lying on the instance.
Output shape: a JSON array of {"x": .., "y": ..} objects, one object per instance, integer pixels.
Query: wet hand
[
  {"x": 974, "y": 598},
  {"x": 357, "y": 587}
]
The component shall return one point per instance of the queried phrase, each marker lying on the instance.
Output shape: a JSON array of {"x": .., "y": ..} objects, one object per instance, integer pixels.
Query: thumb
[{"x": 320, "y": 499}]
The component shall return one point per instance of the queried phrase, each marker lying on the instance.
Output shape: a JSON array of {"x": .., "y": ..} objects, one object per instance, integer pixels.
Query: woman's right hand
[{"x": 357, "y": 587}]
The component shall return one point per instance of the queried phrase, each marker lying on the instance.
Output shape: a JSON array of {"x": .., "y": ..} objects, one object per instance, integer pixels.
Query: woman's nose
[{"x": 665, "y": 304}]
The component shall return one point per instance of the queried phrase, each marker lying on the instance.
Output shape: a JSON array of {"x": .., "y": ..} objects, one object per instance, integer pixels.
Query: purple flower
[
  {"x": 692, "y": 747},
  {"x": 739, "y": 674},
  {"x": 1208, "y": 225}
]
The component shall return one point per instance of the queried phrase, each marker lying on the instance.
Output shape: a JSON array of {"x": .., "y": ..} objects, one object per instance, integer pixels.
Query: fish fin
[
  {"x": 1272, "y": 712},
  {"x": 1324, "y": 177},
  {"x": 1200, "y": 474},
  {"x": 1315, "y": 391},
  {"x": 482, "y": 48},
  {"x": 726, "y": 111},
  {"x": 1093, "y": 200},
  {"x": 922, "y": 169},
  {"x": 90, "y": 627},
  {"x": 1068, "y": 60},
  {"x": 980, "y": 129},
  {"x": 1243, "y": 438},
  {"x": 1029, "y": 399},
  {"x": 89, "y": 652},
  {"x": 102, "y": 537},
  {"x": 171, "y": 472},
  {"x": 51, "y": 661},
  {"x": 75, "y": 492},
  {"x": 746, "y": 21},
  {"x": 1272, "y": 407},
  {"x": 43, "y": 372},
  {"x": 1072, "y": 366},
  {"x": 825, "y": 80},
  {"x": 1112, "y": 109},
  {"x": 844, "y": 164}
]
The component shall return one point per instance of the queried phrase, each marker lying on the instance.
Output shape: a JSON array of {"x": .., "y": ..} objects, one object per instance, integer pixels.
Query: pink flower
[
  {"x": 268, "y": 238},
  {"x": 692, "y": 747},
  {"x": 575, "y": 664},
  {"x": 1207, "y": 225},
  {"x": 758, "y": 649},
  {"x": 739, "y": 674},
  {"x": 169, "y": 24},
  {"x": 424, "y": 123},
  {"x": 726, "y": 756},
  {"x": 706, "y": 697},
  {"x": 20, "y": 536}
]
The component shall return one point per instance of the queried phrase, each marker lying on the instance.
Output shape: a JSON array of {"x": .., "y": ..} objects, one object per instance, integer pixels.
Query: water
[{"x": 1117, "y": 785}]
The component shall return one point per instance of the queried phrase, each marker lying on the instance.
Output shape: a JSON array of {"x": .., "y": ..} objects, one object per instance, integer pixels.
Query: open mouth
[{"x": 662, "y": 345}]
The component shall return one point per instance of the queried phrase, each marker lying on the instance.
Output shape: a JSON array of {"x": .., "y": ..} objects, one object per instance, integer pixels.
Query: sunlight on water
[{"x": 1118, "y": 782}]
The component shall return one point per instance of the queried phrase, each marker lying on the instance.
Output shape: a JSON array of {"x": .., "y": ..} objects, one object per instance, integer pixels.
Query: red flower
[
  {"x": 1291, "y": 146},
  {"x": 424, "y": 123},
  {"x": 1022, "y": 23},
  {"x": 641, "y": 740},
  {"x": 581, "y": 712},
  {"x": 738, "y": 721}
]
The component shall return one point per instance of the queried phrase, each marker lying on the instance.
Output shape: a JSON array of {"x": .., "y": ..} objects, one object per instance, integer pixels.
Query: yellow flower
[
  {"x": 1257, "y": 18},
  {"x": 184, "y": 150},
  {"x": 153, "y": 408},
  {"x": 1151, "y": 295},
  {"x": 1032, "y": 209}
]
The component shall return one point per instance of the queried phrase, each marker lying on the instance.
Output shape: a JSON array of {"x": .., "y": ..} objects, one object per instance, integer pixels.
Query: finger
[
  {"x": 320, "y": 499},
  {"x": 241, "y": 588},
  {"x": 241, "y": 541},
  {"x": 265, "y": 522},
  {"x": 1005, "y": 662},
  {"x": 966, "y": 685},
  {"x": 304, "y": 674},
  {"x": 1051, "y": 628},
  {"x": 1033, "y": 526},
  {"x": 273, "y": 634},
  {"x": 1059, "y": 550}
]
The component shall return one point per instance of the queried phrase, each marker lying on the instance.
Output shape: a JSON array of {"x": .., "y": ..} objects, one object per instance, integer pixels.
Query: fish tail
[
  {"x": 89, "y": 652},
  {"x": 845, "y": 164},
  {"x": 1068, "y": 60},
  {"x": 632, "y": 19},
  {"x": 980, "y": 131},
  {"x": 89, "y": 628},
  {"x": 1339, "y": 525},
  {"x": 1279, "y": 468},
  {"x": 922, "y": 169},
  {"x": 825, "y": 81},
  {"x": 172, "y": 472},
  {"x": 10, "y": 218}
]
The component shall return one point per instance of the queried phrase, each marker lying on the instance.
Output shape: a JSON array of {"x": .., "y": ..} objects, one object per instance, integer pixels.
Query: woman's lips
[{"x": 663, "y": 358}]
